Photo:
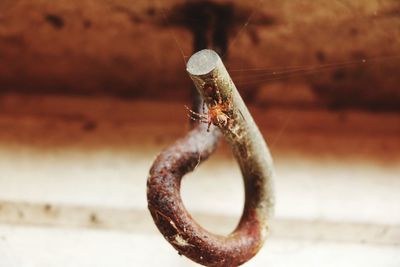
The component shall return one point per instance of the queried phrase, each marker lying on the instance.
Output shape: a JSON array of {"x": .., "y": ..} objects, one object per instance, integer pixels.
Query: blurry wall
[{"x": 347, "y": 52}]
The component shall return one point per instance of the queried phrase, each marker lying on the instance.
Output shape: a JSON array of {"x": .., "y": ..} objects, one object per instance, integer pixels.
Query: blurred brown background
[
  {"x": 91, "y": 91},
  {"x": 132, "y": 48}
]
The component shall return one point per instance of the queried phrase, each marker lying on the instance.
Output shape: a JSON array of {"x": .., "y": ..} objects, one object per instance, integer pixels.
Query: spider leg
[
  {"x": 219, "y": 98},
  {"x": 229, "y": 123},
  {"x": 195, "y": 113},
  {"x": 197, "y": 119},
  {"x": 209, "y": 121},
  {"x": 192, "y": 118}
]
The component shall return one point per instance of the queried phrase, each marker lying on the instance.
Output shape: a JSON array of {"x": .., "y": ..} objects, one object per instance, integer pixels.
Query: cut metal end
[{"x": 203, "y": 62}]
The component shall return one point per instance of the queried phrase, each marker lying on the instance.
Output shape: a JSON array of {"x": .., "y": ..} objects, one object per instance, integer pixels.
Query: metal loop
[{"x": 251, "y": 152}]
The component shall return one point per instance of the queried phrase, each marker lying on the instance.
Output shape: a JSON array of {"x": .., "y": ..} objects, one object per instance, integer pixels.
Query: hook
[{"x": 248, "y": 146}]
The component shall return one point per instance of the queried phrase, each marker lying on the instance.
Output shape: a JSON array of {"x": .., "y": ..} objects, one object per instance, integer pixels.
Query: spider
[{"x": 217, "y": 113}]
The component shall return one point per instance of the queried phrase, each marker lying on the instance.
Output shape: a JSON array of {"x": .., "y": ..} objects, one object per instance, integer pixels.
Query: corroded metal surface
[{"x": 251, "y": 152}]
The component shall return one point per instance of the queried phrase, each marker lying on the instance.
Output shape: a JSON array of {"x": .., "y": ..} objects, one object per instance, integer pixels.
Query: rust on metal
[{"x": 163, "y": 185}]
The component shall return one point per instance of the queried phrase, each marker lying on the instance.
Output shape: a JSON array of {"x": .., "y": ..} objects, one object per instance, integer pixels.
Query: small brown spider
[{"x": 217, "y": 113}]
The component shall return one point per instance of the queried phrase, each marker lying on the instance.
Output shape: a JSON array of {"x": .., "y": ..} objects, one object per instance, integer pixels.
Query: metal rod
[
  {"x": 214, "y": 84},
  {"x": 227, "y": 111}
]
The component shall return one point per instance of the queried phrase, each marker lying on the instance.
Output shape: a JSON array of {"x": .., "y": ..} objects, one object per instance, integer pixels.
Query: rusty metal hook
[{"x": 163, "y": 186}]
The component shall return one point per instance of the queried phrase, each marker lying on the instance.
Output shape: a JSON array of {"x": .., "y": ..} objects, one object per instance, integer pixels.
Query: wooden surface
[
  {"x": 138, "y": 48},
  {"x": 73, "y": 174}
]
